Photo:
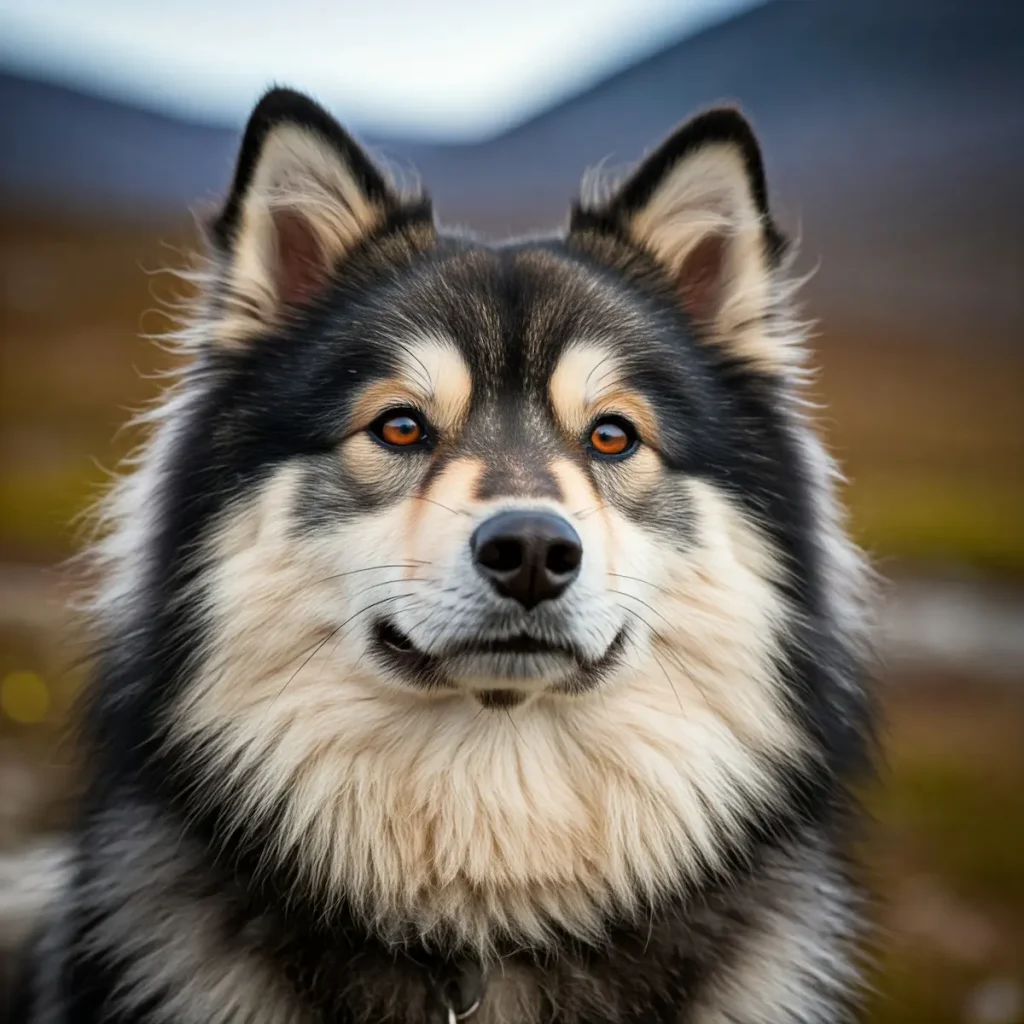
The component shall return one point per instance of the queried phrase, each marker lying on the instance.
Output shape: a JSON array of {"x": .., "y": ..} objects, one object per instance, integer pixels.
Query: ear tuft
[
  {"x": 304, "y": 196},
  {"x": 699, "y": 205}
]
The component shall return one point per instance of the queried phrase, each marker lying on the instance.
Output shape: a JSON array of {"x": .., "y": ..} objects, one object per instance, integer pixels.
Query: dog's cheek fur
[{"x": 278, "y": 585}]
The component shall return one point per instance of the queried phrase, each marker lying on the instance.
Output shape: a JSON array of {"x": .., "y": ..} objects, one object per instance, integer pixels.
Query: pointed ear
[
  {"x": 304, "y": 196},
  {"x": 698, "y": 204}
]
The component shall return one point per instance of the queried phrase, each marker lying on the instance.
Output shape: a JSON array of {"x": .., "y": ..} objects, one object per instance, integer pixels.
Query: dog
[{"x": 478, "y": 635}]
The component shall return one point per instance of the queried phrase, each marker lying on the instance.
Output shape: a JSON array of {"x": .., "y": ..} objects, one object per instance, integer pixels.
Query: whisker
[
  {"x": 274, "y": 612},
  {"x": 372, "y": 568},
  {"x": 318, "y": 647},
  {"x": 416, "y": 625},
  {"x": 587, "y": 512},
  {"x": 656, "y": 636},
  {"x": 633, "y": 597},
  {"x": 447, "y": 508},
  {"x": 604, "y": 359},
  {"x": 674, "y": 660},
  {"x": 388, "y": 583},
  {"x": 668, "y": 678},
  {"x": 425, "y": 381},
  {"x": 374, "y": 604},
  {"x": 646, "y": 583},
  {"x": 604, "y": 376},
  {"x": 412, "y": 629},
  {"x": 427, "y": 621},
  {"x": 512, "y": 722}
]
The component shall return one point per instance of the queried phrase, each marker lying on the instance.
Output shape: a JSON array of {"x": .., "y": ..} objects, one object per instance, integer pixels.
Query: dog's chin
[{"x": 500, "y": 673}]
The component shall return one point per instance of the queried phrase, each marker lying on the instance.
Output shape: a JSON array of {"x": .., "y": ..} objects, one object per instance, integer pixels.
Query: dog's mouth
[{"x": 519, "y": 658}]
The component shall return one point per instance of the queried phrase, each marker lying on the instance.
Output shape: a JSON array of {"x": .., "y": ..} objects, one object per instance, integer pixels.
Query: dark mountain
[
  {"x": 894, "y": 135},
  {"x": 79, "y": 150}
]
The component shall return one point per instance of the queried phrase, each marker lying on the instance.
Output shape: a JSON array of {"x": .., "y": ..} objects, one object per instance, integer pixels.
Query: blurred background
[{"x": 894, "y": 139}]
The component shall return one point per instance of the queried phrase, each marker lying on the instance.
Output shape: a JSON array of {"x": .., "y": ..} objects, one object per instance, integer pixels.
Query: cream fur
[{"x": 585, "y": 372}]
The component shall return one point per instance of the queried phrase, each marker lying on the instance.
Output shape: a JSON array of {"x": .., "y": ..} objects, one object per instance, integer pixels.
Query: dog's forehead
[{"x": 513, "y": 313}]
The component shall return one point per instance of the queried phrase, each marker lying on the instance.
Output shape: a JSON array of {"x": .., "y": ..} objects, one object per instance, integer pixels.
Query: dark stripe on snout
[{"x": 515, "y": 474}]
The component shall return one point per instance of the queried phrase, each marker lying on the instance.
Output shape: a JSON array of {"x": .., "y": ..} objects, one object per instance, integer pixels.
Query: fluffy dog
[{"x": 478, "y": 636}]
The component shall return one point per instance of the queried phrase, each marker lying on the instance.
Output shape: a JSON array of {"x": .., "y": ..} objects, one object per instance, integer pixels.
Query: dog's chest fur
[{"x": 187, "y": 945}]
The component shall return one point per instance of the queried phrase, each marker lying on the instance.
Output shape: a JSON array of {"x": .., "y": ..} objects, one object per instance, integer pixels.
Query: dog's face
[
  {"x": 492, "y": 554},
  {"x": 493, "y": 479},
  {"x": 489, "y": 466}
]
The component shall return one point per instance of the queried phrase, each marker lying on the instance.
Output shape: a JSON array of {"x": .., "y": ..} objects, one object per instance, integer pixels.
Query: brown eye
[
  {"x": 613, "y": 437},
  {"x": 400, "y": 428}
]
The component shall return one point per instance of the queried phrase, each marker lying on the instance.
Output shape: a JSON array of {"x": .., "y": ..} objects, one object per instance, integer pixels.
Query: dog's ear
[
  {"x": 304, "y": 196},
  {"x": 698, "y": 204}
]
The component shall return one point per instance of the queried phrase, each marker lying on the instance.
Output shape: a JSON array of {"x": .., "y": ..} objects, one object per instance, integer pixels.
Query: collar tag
[{"x": 462, "y": 991}]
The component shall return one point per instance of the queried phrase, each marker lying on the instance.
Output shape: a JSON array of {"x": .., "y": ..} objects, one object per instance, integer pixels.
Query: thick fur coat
[{"x": 477, "y": 635}]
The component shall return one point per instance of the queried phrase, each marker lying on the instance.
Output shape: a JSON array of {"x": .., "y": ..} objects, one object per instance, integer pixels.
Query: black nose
[{"x": 528, "y": 556}]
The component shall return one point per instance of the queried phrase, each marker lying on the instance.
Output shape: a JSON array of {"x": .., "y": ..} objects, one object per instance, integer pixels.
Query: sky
[{"x": 455, "y": 69}]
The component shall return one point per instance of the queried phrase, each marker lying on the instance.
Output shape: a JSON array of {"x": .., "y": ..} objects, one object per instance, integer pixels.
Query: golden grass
[{"x": 946, "y": 852}]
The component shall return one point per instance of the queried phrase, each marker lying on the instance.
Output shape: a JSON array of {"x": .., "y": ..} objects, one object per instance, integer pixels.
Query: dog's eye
[
  {"x": 613, "y": 437},
  {"x": 400, "y": 428}
]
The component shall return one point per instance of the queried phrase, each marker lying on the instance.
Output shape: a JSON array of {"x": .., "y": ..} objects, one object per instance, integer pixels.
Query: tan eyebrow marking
[
  {"x": 587, "y": 382},
  {"x": 634, "y": 407},
  {"x": 433, "y": 377}
]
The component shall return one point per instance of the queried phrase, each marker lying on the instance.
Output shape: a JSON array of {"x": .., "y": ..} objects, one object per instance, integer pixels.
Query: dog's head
[
  {"x": 483, "y": 461},
  {"x": 493, "y": 567}
]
